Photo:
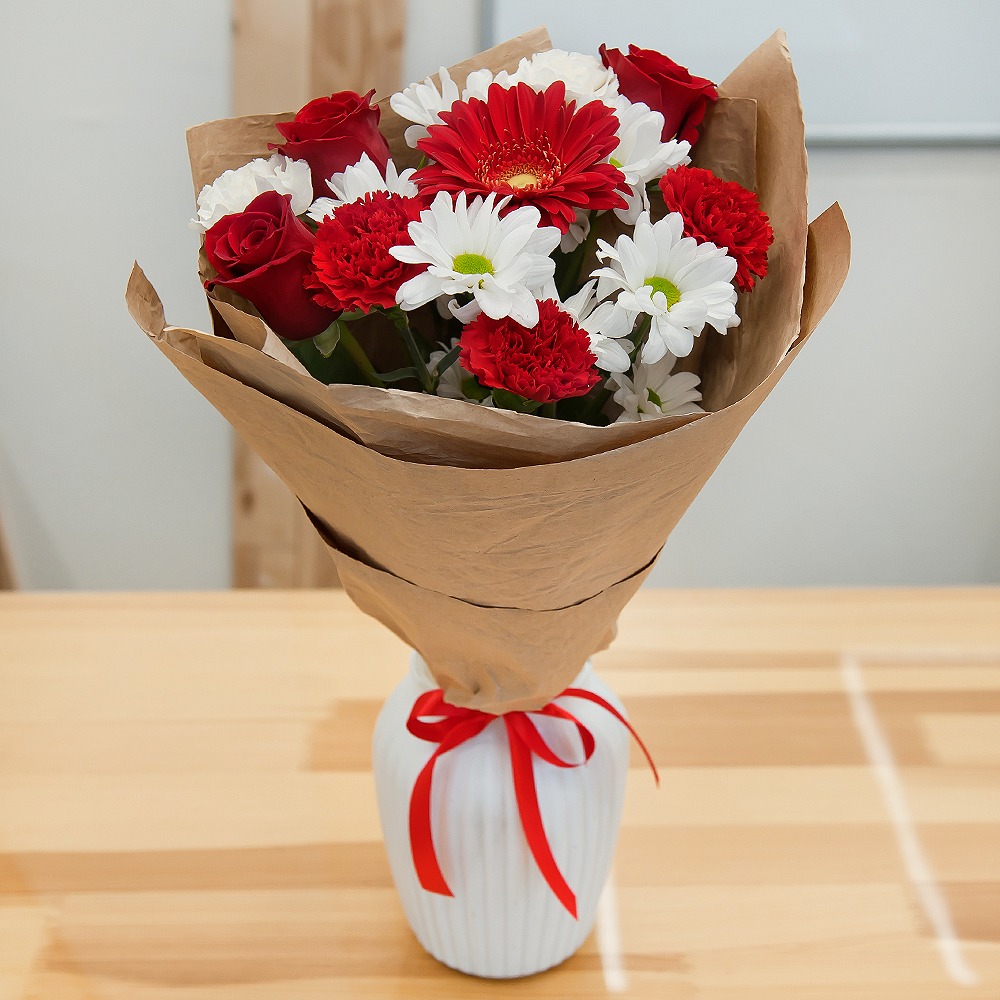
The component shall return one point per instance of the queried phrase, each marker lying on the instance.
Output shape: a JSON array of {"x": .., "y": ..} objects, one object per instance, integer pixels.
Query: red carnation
[
  {"x": 534, "y": 147},
  {"x": 332, "y": 133},
  {"x": 549, "y": 361},
  {"x": 351, "y": 261},
  {"x": 649, "y": 77},
  {"x": 724, "y": 213},
  {"x": 263, "y": 253}
]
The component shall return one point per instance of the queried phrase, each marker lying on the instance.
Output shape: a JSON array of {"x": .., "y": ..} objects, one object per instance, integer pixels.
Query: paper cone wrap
[{"x": 503, "y": 546}]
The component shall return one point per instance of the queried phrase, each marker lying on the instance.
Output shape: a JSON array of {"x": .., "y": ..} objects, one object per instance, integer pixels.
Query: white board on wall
[{"x": 886, "y": 71}]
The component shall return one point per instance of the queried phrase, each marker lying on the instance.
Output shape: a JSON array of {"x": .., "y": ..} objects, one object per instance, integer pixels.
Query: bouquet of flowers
[
  {"x": 495, "y": 332},
  {"x": 485, "y": 260}
]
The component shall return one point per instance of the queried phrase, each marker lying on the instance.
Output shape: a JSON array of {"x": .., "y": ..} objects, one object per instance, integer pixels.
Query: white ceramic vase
[{"x": 503, "y": 920}]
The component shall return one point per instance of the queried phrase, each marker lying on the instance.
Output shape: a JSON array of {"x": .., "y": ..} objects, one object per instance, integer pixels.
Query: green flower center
[
  {"x": 670, "y": 291},
  {"x": 472, "y": 263},
  {"x": 615, "y": 163}
]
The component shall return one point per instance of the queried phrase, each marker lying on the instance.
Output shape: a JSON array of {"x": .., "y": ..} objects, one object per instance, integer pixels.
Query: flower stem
[
  {"x": 596, "y": 405},
  {"x": 358, "y": 356},
  {"x": 419, "y": 362},
  {"x": 641, "y": 335}
]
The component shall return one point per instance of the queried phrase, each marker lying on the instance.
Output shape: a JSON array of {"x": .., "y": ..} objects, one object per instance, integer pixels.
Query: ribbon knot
[{"x": 449, "y": 726}]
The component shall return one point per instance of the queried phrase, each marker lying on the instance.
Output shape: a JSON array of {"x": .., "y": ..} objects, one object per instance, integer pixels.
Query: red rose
[
  {"x": 551, "y": 360},
  {"x": 264, "y": 253},
  {"x": 332, "y": 133},
  {"x": 649, "y": 77},
  {"x": 353, "y": 268}
]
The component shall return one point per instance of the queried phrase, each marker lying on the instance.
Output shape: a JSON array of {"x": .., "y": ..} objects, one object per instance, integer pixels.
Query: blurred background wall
[{"x": 875, "y": 461}]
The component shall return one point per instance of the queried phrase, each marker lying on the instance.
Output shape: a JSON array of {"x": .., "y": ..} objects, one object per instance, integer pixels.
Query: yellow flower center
[
  {"x": 523, "y": 180},
  {"x": 472, "y": 263},
  {"x": 670, "y": 291}
]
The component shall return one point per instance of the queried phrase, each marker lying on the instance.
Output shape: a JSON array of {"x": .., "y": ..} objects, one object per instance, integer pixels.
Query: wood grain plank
[{"x": 186, "y": 810}]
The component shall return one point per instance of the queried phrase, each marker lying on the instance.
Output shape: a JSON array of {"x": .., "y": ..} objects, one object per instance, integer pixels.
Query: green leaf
[
  {"x": 399, "y": 375},
  {"x": 326, "y": 342},
  {"x": 511, "y": 401},
  {"x": 447, "y": 361},
  {"x": 473, "y": 390}
]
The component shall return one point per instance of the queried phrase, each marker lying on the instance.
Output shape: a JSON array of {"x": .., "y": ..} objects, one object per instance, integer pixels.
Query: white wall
[
  {"x": 874, "y": 461},
  {"x": 113, "y": 472}
]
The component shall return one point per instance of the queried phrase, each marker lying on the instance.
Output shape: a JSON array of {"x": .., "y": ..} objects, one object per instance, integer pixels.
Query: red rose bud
[
  {"x": 724, "y": 213},
  {"x": 550, "y": 361},
  {"x": 351, "y": 260},
  {"x": 332, "y": 133},
  {"x": 264, "y": 253},
  {"x": 649, "y": 77}
]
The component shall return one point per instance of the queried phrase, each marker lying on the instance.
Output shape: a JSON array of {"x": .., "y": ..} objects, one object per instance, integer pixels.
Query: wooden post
[
  {"x": 7, "y": 579},
  {"x": 285, "y": 54}
]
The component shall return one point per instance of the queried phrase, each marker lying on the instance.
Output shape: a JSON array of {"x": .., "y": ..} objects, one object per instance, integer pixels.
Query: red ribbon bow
[{"x": 434, "y": 720}]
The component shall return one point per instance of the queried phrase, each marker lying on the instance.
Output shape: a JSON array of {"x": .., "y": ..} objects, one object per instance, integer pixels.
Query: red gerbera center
[
  {"x": 352, "y": 267},
  {"x": 724, "y": 213},
  {"x": 552, "y": 360},
  {"x": 535, "y": 147}
]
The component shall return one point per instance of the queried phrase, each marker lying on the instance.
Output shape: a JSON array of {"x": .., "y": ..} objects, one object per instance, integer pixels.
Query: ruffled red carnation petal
[
  {"x": 535, "y": 147},
  {"x": 552, "y": 360},
  {"x": 352, "y": 267},
  {"x": 724, "y": 213}
]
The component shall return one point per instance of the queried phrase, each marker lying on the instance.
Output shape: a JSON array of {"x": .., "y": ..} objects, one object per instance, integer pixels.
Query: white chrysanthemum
[
  {"x": 653, "y": 391},
  {"x": 641, "y": 156},
  {"x": 586, "y": 77},
  {"x": 454, "y": 379},
  {"x": 679, "y": 283},
  {"x": 422, "y": 103},
  {"x": 470, "y": 250},
  {"x": 233, "y": 190},
  {"x": 604, "y": 324},
  {"x": 359, "y": 179}
]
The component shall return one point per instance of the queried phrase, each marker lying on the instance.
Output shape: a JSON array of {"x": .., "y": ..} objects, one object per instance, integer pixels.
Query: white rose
[{"x": 586, "y": 77}]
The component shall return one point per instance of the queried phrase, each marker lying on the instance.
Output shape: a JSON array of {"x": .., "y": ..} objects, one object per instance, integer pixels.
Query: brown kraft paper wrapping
[{"x": 503, "y": 546}]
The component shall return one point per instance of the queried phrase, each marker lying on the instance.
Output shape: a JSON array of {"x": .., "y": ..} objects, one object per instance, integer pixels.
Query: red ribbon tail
[
  {"x": 608, "y": 707},
  {"x": 425, "y": 860},
  {"x": 531, "y": 816}
]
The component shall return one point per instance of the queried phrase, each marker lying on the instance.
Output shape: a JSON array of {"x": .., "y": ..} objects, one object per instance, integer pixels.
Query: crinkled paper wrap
[{"x": 503, "y": 546}]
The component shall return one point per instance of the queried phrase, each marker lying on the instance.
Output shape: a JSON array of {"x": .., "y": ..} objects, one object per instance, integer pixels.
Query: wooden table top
[{"x": 186, "y": 809}]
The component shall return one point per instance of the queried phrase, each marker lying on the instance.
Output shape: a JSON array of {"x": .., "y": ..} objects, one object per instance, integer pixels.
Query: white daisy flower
[
  {"x": 654, "y": 392},
  {"x": 606, "y": 326},
  {"x": 470, "y": 250},
  {"x": 360, "y": 179},
  {"x": 233, "y": 190},
  {"x": 586, "y": 77},
  {"x": 422, "y": 103},
  {"x": 641, "y": 156},
  {"x": 679, "y": 283},
  {"x": 579, "y": 230},
  {"x": 455, "y": 378}
]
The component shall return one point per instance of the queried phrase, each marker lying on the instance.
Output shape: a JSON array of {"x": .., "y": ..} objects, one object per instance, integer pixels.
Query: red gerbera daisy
[
  {"x": 532, "y": 146},
  {"x": 352, "y": 267},
  {"x": 724, "y": 213},
  {"x": 551, "y": 360}
]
